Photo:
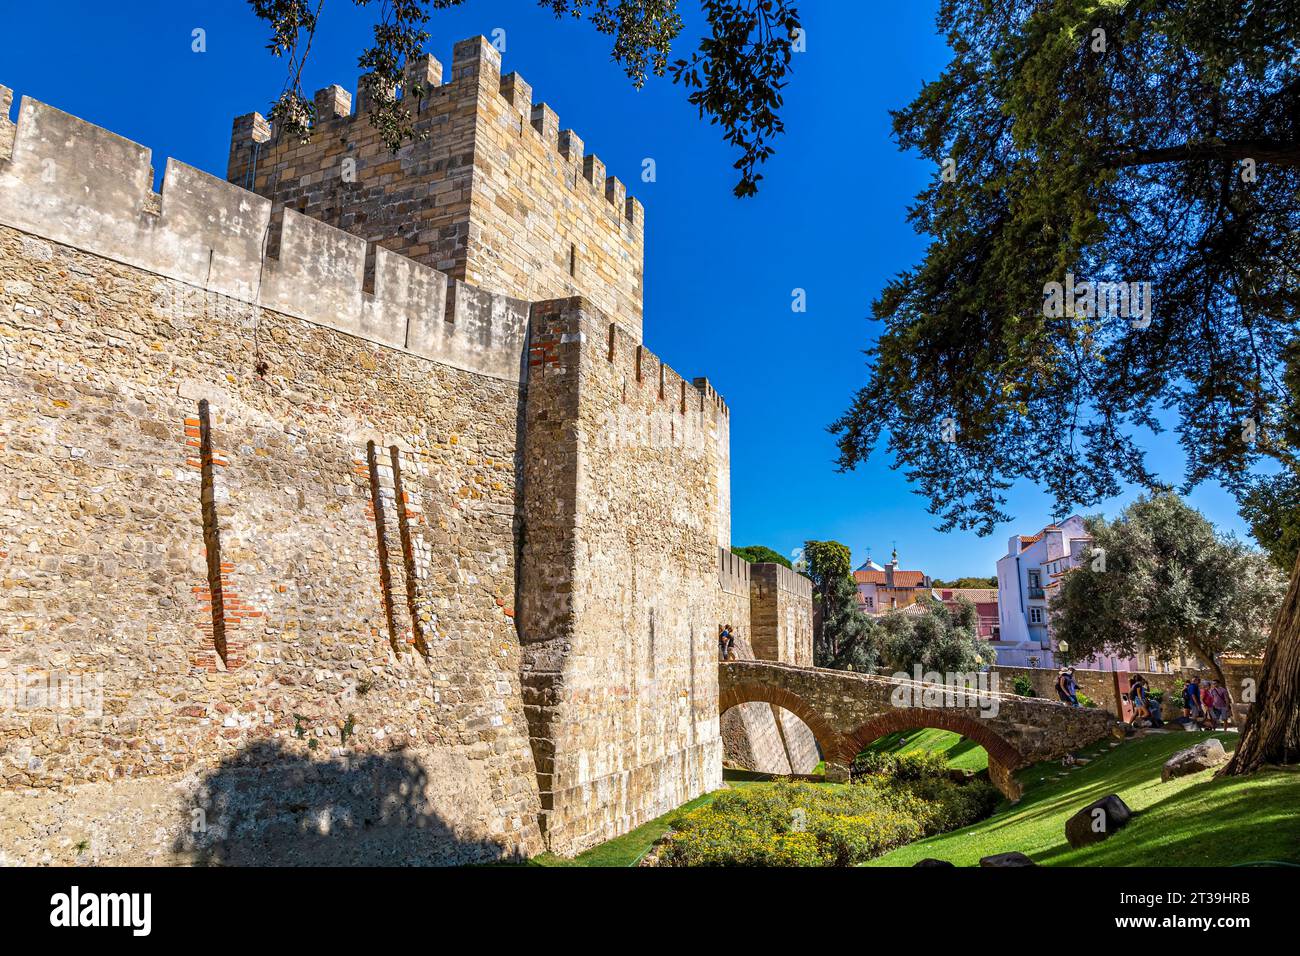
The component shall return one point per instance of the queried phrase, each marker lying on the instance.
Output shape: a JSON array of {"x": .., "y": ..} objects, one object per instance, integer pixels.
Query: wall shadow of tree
[{"x": 267, "y": 806}]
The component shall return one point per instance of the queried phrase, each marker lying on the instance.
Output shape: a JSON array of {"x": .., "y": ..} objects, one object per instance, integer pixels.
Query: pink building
[{"x": 986, "y": 606}]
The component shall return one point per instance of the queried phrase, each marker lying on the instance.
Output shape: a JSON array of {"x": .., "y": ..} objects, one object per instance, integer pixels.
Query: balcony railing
[{"x": 1035, "y": 592}]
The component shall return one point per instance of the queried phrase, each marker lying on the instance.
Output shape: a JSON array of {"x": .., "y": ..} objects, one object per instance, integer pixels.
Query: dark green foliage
[
  {"x": 1124, "y": 160},
  {"x": 912, "y": 765},
  {"x": 850, "y": 639},
  {"x": 989, "y": 582},
  {"x": 826, "y": 560},
  {"x": 1164, "y": 579},
  {"x": 843, "y": 637},
  {"x": 760, "y": 554},
  {"x": 942, "y": 639},
  {"x": 1023, "y": 685},
  {"x": 1272, "y": 506},
  {"x": 735, "y": 78}
]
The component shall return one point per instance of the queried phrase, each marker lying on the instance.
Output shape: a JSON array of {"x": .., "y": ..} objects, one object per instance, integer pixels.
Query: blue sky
[{"x": 720, "y": 272}]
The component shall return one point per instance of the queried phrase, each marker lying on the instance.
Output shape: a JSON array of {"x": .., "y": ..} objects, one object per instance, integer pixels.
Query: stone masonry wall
[
  {"x": 620, "y": 582},
  {"x": 494, "y": 193},
  {"x": 781, "y": 611},
  {"x": 1242, "y": 676},
  {"x": 257, "y": 530},
  {"x": 750, "y": 737},
  {"x": 114, "y": 383},
  {"x": 781, "y": 602},
  {"x": 778, "y": 611},
  {"x": 278, "y": 493},
  {"x": 734, "y": 576}
]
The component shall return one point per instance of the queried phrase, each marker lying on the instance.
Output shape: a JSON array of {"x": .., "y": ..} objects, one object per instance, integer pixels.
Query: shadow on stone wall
[{"x": 267, "y": 806}]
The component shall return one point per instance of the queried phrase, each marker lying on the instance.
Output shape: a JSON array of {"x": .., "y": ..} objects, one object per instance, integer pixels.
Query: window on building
[
  {"x": 1035, "y": 615},
  {"x": 1035, "y": 579},
  {"x": 870, "y": 602}
]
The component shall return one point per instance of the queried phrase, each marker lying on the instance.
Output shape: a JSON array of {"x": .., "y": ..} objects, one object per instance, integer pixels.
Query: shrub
[
  {"x": 1085, "y": 700},
  {"x": 913, "y": 765},
  {"x": 793, "y": 849},
  {"x": 942, "y": 805},
  {"x": 1023, "y": 685},
  {"x": 872, "y": 764},
  {"x": 800, "y": 824},
  {"x": 846, "y": 841},
  {"x": 920, "y": 765}
]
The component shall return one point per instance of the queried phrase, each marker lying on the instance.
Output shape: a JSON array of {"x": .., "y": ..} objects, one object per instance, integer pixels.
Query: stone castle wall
[
  {"x": 493, "y": 193},
  {"x": 734, "y": 583},
  {"x": 771, "y": 608},
  {"x": 260, "y": 522},
  {"x": 337, "y": 544},
  {"x": 781, "y": 601},
  {"x": 750, "y": 737},
  {"x": 271, "y": 483},
  {"x": 620, "y": 581}
]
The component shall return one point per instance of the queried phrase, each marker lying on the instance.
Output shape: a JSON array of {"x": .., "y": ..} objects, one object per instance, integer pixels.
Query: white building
[{"x": 1029, "y": 576}]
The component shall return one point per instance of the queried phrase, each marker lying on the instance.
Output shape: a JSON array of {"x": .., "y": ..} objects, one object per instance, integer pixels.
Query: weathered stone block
[
  {"x": 1206, "y": 755},
  {"x": 1097, "y": 821}
]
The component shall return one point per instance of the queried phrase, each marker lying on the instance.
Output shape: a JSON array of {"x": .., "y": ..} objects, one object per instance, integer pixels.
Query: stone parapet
[
  {"x": 492, "y": 190},
  {"x": 77, "y": 184}
]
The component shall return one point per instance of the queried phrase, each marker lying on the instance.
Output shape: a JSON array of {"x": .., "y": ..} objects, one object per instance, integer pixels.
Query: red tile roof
[{"x": 902, "y": 579}]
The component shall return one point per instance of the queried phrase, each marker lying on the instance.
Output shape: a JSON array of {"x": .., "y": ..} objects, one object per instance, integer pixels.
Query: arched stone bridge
[{"x": 847, "y": 711}]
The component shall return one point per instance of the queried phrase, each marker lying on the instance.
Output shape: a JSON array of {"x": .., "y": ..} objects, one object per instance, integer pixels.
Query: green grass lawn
[
  {"x": 961, "y": 753},
  {"x": 1190, "y": 821}
]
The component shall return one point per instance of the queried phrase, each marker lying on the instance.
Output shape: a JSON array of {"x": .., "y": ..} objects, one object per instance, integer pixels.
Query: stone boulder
[
  {"x": 1007, "y": 859},
  {"x": 931, "y": 862},
  {"x": 1097, "y": 821},
  {"x": 1207, "y": 754}
]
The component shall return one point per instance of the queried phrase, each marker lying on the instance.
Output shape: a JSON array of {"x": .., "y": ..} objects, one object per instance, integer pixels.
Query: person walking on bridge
[
  {"x": 727, "y": 643},
  {"x": 1063, "y": 688}
]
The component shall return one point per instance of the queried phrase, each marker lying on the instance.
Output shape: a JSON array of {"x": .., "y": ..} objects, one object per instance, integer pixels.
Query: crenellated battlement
[
  {"x": 6, "y": 124},
  {"x": 734, "y": 573},
  {"x": 493, "y": 190},
  {"x": 406, "y": 428},
  {"x": 334, "y": 112},
  {"x": 77, "y": 184},
  {"x": 709, "y": 395},
  {"x": 782, "y": 578}
]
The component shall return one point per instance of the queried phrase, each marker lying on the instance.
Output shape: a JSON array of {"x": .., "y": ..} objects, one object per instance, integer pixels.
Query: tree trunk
[{"x": 1272, "y": 731}]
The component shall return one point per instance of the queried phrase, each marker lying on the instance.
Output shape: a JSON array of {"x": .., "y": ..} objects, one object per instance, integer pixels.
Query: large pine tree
[{"x": 1133, "y": 141}]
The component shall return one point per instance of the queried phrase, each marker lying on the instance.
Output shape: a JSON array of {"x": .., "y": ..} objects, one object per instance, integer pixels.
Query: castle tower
[
  {"x": 491, "y": 192},
  {"x": 489, "y": 505}
]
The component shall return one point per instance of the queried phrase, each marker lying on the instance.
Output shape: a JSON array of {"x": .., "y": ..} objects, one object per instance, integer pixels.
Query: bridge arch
[
  {"x": 839, "y": 745},
  {"x": 916, "y": 718},
  {"x": 1004, "y": 759},
  {"x": 828, "y": 739}
]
